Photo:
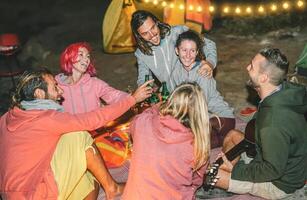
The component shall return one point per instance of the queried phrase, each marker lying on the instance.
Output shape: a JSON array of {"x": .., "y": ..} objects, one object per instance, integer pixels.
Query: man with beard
[
  {"x": 40, "y": 158},
  {"x": 156, "y": 48},
  {"x": 279, "y": 168}
]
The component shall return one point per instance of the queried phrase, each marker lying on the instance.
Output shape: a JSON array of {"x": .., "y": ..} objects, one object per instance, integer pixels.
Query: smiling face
[
  {"x": 54, "y": 91},
  {"x": 82, "y": 61},
  {"x": 187, "y": 52},
  {"x": 150, "y": 31}
]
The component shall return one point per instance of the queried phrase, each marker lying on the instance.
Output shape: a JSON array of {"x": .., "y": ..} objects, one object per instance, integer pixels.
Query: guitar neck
[{"x": 234, "y": 152}]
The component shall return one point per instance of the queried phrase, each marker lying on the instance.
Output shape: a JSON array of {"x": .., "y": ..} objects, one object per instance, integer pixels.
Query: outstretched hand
[
  {"x": 206, "y": 69},
  {"x": 143, "y": 92}
]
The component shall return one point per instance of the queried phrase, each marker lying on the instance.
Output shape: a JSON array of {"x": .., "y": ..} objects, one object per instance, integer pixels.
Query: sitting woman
[
  {"x": 171, "y": 145},
  {"x": 82, "y": 90},
  {"x": 188, "y": 49}
]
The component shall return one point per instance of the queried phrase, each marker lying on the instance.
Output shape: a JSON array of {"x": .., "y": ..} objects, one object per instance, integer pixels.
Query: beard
[{"x": 253, "y": 84}]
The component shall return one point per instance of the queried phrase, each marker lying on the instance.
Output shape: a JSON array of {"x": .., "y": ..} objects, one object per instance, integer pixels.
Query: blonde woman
[{"x": 171, "y": 146}]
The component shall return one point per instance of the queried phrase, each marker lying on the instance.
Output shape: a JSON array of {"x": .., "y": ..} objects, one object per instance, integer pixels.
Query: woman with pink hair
[{"x": 82, "y": 90}]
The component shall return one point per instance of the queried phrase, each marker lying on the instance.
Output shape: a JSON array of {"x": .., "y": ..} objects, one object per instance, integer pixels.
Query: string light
[
  {"x": 226, "y": 10},
  {"x": 285, "y": 5},
  {"x": 235, "y": 9},
  {"x": 211, "y": 8},
  {"x": 274, "y": 7},
  {"x": 300, "y": 4},
  {"x": 261, "y": 9}
]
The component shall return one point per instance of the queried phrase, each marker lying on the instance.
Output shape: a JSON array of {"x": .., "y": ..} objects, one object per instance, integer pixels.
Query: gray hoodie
[
  {"x": 216, "y": 103},
  {"x": 162, "y": 62}
]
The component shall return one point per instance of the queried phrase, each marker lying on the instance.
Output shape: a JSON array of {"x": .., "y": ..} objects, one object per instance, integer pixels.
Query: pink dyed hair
[{"x": 69, "y": 56}]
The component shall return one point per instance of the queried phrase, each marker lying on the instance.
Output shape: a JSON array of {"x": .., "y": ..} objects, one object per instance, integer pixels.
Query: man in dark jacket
[{"x": 280, "y": 166}]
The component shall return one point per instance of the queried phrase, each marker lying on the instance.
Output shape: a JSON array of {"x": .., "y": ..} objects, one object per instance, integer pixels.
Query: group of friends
[{"x": 47, "y": 152}]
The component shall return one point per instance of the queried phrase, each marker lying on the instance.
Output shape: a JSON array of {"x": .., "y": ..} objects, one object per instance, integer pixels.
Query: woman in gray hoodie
[{"x": 188, "y": 48}]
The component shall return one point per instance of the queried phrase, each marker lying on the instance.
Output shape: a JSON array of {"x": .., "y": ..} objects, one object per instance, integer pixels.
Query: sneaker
[{"x": 248, "y": 111}]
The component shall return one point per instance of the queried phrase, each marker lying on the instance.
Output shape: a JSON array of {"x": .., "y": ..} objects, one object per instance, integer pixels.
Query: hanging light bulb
[
  {"x": 285, "y": 5},
  {"x": 248, "y": 10},
  {"x": 181, "y": 6},
  {"x": 226, "y": 10},
  {"x": 237, "y": 10},
  {"x": 171, "y": 5},
  {"x": 273, "y": 7},
  {"x": 261, "y": 9},
  {"x": 199, "y": 9},
  {"x": 155, "y": 2},
  {"x": 211, "y": 8},
  {"x": 164, "y": 4},
  {"x": 300, "y": 3},
  {"x": 191, "y": 7}
]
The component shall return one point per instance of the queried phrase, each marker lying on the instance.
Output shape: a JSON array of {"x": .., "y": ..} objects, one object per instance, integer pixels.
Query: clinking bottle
[
  {"x": 164, "y": 92},
  {"x": 153, "y": 99}
]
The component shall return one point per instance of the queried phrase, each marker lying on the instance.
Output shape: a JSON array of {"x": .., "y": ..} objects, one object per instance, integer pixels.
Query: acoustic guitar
[{"x": 246, "y": 145}]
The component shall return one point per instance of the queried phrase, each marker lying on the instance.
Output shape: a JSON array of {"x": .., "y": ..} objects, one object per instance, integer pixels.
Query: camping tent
[{"x": 116, "y": 31}]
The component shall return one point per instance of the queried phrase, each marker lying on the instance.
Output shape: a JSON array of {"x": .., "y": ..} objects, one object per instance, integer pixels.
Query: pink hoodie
[
  {"x": 27, "y": 143},
  {"x": 162, "y": 159},
  {"x": 84, "y": 96}
]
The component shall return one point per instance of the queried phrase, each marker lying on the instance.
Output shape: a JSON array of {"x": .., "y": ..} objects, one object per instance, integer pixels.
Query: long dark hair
[
  {"x": 28, "y": 83},
  {"x": 192, "y": 36},
  {"x": 138, "y": 19}
]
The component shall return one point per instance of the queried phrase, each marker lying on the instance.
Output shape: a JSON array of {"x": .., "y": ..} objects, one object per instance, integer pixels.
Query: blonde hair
[{"x": 188, "y": 105}]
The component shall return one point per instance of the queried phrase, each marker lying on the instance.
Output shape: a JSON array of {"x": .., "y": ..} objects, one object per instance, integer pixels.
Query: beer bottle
[
  {"x": 165, "y": 92},
  {"x": 153, "y": 98}
]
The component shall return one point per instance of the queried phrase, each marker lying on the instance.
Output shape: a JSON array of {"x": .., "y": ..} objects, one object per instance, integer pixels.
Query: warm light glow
[
  {"x": 146, "y": 1},
  {"x": 211, "y": 8},
  {"x": 248, "y": 10},
  {"x": 172, "y": 5},
  {"x": 238, "y": 10},
  {"x": 155, "y": 2},
  {"x": 273, "y": 7},
  {"x": 199, "y": 9},
  {"x": 181, "y": 7},
  {"x": 300, "y": 4},
  {"x": 191, "y": 7},
  {"x": 164, "y": 4},
  {"x": 226, "y": 10},
  {"x": 261, "y": 9},
  {"x": 285, "y": 5}
]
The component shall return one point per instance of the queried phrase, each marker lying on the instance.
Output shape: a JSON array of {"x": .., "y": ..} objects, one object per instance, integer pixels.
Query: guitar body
[{"x": 246, "y": 145}]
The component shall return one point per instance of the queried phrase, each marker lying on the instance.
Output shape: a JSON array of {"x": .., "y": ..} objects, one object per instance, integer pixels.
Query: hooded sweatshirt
[
  {"x": 84, "y": 96},
  {"x": 162, "y": 159},
  {"x": 216, "y": 103},
  {"x": 281, "y": 141},
  {"x": 161, "y": 63},
  {"x": 28, "y": 140}
]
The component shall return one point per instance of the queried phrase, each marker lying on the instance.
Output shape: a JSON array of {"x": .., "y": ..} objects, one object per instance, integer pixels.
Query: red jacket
[{"x": 28, "y": 140}]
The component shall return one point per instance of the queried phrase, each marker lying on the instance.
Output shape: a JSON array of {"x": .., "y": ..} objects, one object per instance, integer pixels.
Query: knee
[{"x": 233, "y": 136}]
